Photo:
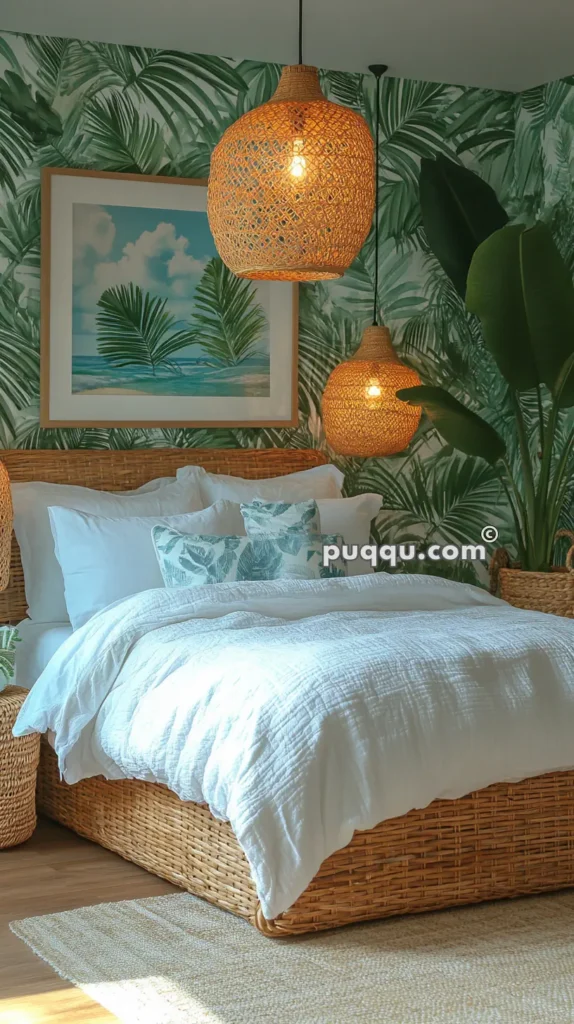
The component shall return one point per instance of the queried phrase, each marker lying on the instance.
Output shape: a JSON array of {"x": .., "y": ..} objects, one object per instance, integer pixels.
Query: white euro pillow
[
  {"x": 42, "y": 574},
  {"x": 319, "y": 482},
  {"x": 104, "y": 560},
  {"x": 351, "y": 518}
]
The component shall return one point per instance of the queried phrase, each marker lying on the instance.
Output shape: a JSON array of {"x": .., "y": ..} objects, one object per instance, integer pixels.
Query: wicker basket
[
  {"x": 18, "y": 767},
  {"x": 551, "y": 592}
]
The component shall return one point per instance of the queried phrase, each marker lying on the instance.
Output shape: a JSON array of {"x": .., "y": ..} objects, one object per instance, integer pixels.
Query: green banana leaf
[
  {"x": 459, "y": 426},
  {"x": 459, "y": 210},
  {"x": 520, "y": 287}
]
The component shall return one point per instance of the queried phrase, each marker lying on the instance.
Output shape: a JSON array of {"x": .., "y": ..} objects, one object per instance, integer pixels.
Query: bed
[{"x": 505, "y": 840}]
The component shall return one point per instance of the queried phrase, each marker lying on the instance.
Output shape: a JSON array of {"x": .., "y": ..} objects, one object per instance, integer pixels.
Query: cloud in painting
[
  {"x": 159, "y": 261},
  {"x": 94, "y": 229},
  {"x": 182, "y": 264},
  {"x": 93, "y": 235}
]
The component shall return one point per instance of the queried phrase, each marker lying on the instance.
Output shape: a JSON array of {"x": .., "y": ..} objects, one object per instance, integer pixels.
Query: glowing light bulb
[
  {"x": 373, "y": 391},
  {"x": 298, "y": 165}
]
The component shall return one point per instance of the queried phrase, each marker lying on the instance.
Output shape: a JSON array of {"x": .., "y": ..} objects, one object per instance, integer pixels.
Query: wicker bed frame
[{"x": 507, "y": 840}]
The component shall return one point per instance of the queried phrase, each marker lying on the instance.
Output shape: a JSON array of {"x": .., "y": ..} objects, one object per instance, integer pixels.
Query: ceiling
[{"x": 503, "y": 44}]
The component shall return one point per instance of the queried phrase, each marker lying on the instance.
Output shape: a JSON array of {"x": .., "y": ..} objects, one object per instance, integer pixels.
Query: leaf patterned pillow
[
  {"x": 268, "y": 518},
  {"x": 190, "y": 560}
]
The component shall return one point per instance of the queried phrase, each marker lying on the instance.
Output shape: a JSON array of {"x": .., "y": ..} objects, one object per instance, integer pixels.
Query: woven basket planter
[
  {"x": 551, "y": 592},
  {"x": 18, "y": 766}
]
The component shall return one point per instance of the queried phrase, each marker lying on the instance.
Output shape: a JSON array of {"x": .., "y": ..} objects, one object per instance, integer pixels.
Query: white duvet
[{"x": 303, "y": 710}]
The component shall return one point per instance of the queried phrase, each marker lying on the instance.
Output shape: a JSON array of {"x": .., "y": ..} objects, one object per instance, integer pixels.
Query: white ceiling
[{"x": 504, "y": 44}]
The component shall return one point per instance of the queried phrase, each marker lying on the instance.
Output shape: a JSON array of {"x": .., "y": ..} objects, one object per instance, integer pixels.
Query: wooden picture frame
[{"x": 101, "y": 281}]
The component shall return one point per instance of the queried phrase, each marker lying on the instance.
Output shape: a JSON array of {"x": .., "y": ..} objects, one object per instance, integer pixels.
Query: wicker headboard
[{"x": 125, "y": 470}]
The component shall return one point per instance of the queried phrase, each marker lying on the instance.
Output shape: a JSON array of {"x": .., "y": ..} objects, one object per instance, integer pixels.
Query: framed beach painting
[{"x": 143, "y": 324}]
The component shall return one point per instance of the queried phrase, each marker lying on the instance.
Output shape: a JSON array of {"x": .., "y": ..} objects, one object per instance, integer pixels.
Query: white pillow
[
  {"x": 352, "y": 518},
  {"x": 105, "y": 560},
  {"x": 42, "y": 574},
  {"x": 160, "y": 481},
  {"x": 39, "y": 642},
  {"x": 319, "y": 482}
]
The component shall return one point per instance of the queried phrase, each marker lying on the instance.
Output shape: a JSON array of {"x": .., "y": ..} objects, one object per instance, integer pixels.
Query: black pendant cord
[
  {"x": 300, "y": 31},
  {"x": 378, "y": 71}
]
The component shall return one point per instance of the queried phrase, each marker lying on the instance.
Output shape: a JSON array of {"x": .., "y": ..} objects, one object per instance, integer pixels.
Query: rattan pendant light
[
  {"x": 291, "y": 186},
  {"x": 361, "y": 413}
]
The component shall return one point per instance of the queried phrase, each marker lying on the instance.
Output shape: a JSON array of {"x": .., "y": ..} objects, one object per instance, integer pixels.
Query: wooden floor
[{"x": 56, "y": 870}]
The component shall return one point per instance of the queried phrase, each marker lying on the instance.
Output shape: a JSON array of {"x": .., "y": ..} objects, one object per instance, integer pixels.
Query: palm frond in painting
[
  {"x": 228, "y": 322},
  {"x": 136, "y": 329}
]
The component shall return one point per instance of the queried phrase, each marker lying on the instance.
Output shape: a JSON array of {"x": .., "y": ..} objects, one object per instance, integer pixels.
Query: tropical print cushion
[
  {"x": 272, "y": 517},
  {"x": 192, "y": 560}
]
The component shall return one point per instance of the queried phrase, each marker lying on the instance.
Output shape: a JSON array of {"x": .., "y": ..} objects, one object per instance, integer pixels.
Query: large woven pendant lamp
[
  {"x": 291, "y": 185},
  {"x": 361, "y": 413}
]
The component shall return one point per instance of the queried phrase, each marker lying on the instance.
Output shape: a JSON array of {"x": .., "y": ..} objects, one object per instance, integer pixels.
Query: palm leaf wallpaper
[{"x": 67, "y": 103}]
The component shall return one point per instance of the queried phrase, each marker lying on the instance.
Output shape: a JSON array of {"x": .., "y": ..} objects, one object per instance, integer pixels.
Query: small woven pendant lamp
[
  {"x": 291, "y": 186},
  {"x": 361, "y": 414}
]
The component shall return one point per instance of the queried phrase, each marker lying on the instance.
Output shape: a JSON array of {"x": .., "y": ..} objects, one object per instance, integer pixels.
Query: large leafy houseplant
[{"x": 515, "y": 280}]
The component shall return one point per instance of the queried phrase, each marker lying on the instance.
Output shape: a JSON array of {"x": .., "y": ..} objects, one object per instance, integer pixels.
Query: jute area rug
[{"x": 176, "y": 960}]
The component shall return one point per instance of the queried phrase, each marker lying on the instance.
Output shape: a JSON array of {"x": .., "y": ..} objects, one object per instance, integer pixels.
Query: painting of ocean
[
  {"x": 156, "y": 312},
  {"x": 92, "y": 375}
]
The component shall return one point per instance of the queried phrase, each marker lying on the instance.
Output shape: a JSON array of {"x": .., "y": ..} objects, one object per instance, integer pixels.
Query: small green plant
[
  {"x": 515, "y": 280},
  {"x": 8, "y": 640}
]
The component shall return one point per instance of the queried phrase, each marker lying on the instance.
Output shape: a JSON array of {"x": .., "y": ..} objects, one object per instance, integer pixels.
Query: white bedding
[
  {"x": 303, "y": 710},
  {"x": 39, "y": 641}
]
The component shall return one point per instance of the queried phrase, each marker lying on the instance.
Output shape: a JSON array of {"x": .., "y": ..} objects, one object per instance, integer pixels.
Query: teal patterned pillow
[
  {"x": 189, "y": 560},
  {"x": 268, "y": 518}
]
